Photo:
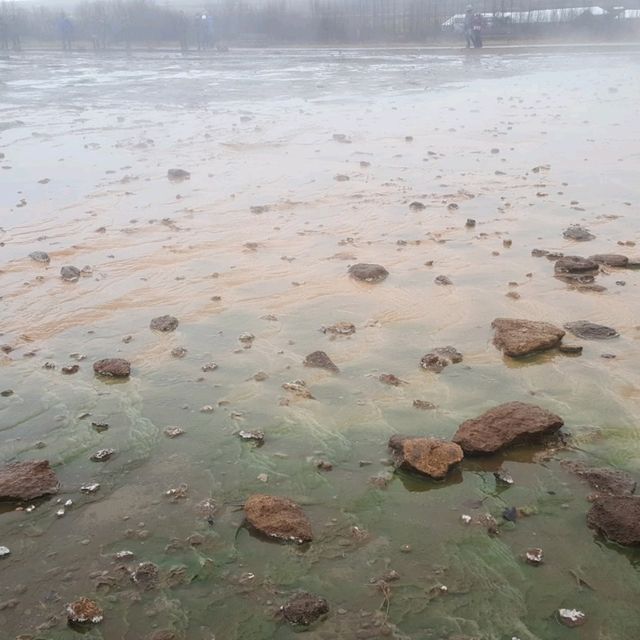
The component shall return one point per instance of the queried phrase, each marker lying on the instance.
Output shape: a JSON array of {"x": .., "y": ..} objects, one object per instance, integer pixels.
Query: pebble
[
  {"x": 173, "y": 432},
  {"x": 4, "y": 552},
  {"x": 534, "y": 556},
  {"x": 571, "y": 617},
  {"x": 90, "y": 488},
  {"x": 210, "y": 366},
  {"x": 102, "y": 455}
]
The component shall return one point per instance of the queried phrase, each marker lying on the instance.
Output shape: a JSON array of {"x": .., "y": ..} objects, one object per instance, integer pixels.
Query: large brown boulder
[
  {"x": 505, "y": 425},
  {"x": 617, "y": 518},
  {"x": 427, "y": 456},
  {"x": 278, "y": 518},
  {"x": 515, "y": 337},
  {"x": 27, "y": 480}
]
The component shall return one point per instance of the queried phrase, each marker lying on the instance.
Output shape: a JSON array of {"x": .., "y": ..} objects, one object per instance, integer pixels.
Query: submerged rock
[
  {"x": 164, "y": 324},
  {"x": 278, "y": 518},
  {"x": 617, "y": 518},
  {"x": 70, "y": 273},
  {"x": 610, "y": 259},
  {"x": 505, "y": 425},
  {"x": 390, "y": 379},
  {"x": 443, "y": 280},
  {"x": 320, "y": 360},
  {"x": 177, "y": 175},
  {"x": 368, "y": 272},
  {"x": 578, "y": 233},
  {"x": 427, "y": 456},
  {"x": 534, "y": 556},
  {"x": 574, "y": 265},
  {"x": 299, "y": 387},
  {"x": 517, "y": 337},
  {"x": 304, "y": 608},
  {"x": 112, "y": 368},
  {"x": 84, "y": 611},
  {"x": 146, "y": 575},
  {"x": 40, "y": 256},
  {"x": 340, "y": 328},
  {"x": 437, "y": 359},
  {"x": 590, "y": 330},
  {"x": 27, "y": 480},
  {"x": 604, "y": 480}
]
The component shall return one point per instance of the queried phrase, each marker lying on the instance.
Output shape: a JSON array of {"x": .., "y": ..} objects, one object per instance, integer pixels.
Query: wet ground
[{"x": 258, "y": 241}]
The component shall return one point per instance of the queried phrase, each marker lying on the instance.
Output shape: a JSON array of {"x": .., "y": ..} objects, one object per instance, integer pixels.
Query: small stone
[
  {"x": 84, "y": 611},
  {"x": 571, "y": 265},
  {"x": 207, "y": 408},
  {"x": 70, "y": 370},
  {"x": 304, "y": 608},
  {"x": 503, "y": 477},
  {"x": 260, "y": 376},
  {"x": 437, "y": 359},
  {"x": 4, "y": 552},
  {"x": 102, "y": 455},
  {"x": 470, "y": 223},
  {"x": 263, "y": 477},
  {"x": 40, "y": 256},
  {"x": 124, "y": 555},
  {"x": 390, "y": 379},
  {"x": 323, "y": 465},
  {"x": 178, "y": 352},
  {"x": 320, "y": 360},
  {"x": 70, "y": 273},
  {"x": 256, "y": 436},
  {"x": 340, "y": 328},
  {"x": 578, "y": 233},
  {"x": 571, "y": 617},
  {"x": 90, "y": 488},
  {"x": 278, "y": 518},
  {"x": 112, "y": 368},
  {"x": 299, "y": 388},
  {"x": 178, "y": 175},
  {"x": 423, "y": 405},
  {"x": 146, "y": 575},
  {"x": 443, "y": 281},
  {"x": 365, "y": 272},
  {"x": 173, "y": 432},
  {"x": 534, "y": 556},
  {"x": 570, "y": 349},
  {"x": 164, "y": 324},
  {"x": 210, "y": 366},
  {"x": 427, "y": 456},
  {"x": 610, "y": 259},
  {"x": 417, "y": 206}
]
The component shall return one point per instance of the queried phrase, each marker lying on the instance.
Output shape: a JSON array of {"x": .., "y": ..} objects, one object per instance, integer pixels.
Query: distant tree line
[{"x": 102, "y": 24}]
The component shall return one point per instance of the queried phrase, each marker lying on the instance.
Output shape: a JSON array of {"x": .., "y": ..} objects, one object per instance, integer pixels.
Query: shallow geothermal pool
[{"x": 302, "y": 163}]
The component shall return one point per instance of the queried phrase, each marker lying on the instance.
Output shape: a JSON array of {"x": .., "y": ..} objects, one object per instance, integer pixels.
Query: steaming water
[{"x": 256, "y": 129}]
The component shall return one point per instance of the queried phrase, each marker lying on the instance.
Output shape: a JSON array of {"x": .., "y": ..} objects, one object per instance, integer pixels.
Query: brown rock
[
  {"x": 278, "y": 518},
  {"x": 340, "y": 329},
  {"x": 610, "y": 259},
  {"x": 517, "y": 337},
  {"x": 27, "y": 480},
  {"x": 574, "y": 265},
  {"x": 320, "y": 360},
  {"x": 368, "y": 272},
  {"x": 390, "y": 379},
  {"x": 437, "y": 359},
  {"x": 604, "y": 480},
  {"x": 164, "y": 324},
  {"x": 304, "y": 608},
  {"x": 617, "y": 518},
  {"x": 84, "y": 611},
  {"x": 112, "y": 368},
  {"x": 427, "y": 456},
  {"x": 505, "y": 425}
]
